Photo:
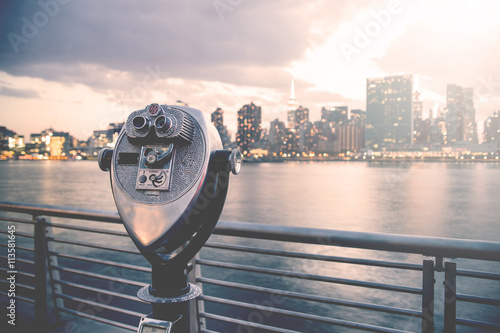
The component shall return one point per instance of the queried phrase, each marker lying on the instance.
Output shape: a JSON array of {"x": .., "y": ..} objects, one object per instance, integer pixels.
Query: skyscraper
[
  {"x": 460, "y": 115},
  {"x": 249, "y": 126},
  {"x": 335, "y": 114},
  {"x": 276, "y": 136},
  {"x": 389, "y": 113},
  {"x": 358, "y": 121},
  {"x": 420, "y": 126},
  {"x": 301, "y": 115},
  {"x": 492, "y": 129},
  {"x": 417, "y": 100},
  {"x": 417, "y": 105}
]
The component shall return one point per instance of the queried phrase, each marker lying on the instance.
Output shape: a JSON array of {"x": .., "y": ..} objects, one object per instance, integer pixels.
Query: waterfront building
[
  {"x": 301, "y": 116},
  {"x": 358, "y": 120},
  {"x": 491, "y": 132},
  {"x": 306, "y": 137},
  {"x": 420, "y": 126},
  {"x": 291, "y": 142},
  {"x": 10, "y": 140},
  {"x": 460, "y": 115},
  {"x": 51, "y": 144},
  {"x": 417, "y": 99},
  {"x": 349, "y": 137},
  {"x": 421, "y": 131},
  {"x": 337, "y": 114},
  {"x": 324, "y": 138},
  {"x": 358, "y": 116},
  {"x": 417, "y": 105},
  {"x": 276, "y": 136},
  {"x": 218, "y": 121},
  {"x": 438, "y": 134},
  {"x": 389, "y": 112},
  {"x": 104, "y": 138},
  {"x": 249, "y": 126}
]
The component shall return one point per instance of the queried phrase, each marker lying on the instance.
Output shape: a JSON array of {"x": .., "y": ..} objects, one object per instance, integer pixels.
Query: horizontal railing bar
[
  {"x": 429, "y": 246},
  {"x": 94, "y": 245},
  {"x": 58, "y": 211},
  {"x": 87, "y": 229},
  {"x": 19, "y": 247},
  {"x": 478, "y": 274},
  {"x": 30, "y": 275},
  {"x": 101, "y": 261},
  {"x": 18, "y": 233},
  {"x": 96, "y": 290},
  {"x": 244, "y": 323},
  {"x": 97, "y": 276},
  {"x": 20, "y": 285},
  {"x": 312, "y": 277},
  {"x": 299, "y": 255},
  {"x": 99, "y": 319},
  {"x": 99, "y": 305},
  {"x": 313, "y": 298},
  {"x": 478, "y": 299},
  {"x": 24, "y": 261},
  {"x": 16, "y": 220},
  {"x": 299, "y": 315},
  {"x": 19, "y": 297},
  {"x": 478, "y": 324}
]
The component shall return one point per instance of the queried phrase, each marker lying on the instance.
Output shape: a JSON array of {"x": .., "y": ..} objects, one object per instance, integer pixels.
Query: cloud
[
  {"x": 112, "y": 46},
  {"x": 453, "y": 43},
  {"x": 455, "y": 40},
  {"x": 19, "y": 93},
  {"x": 188, "y": 38}
]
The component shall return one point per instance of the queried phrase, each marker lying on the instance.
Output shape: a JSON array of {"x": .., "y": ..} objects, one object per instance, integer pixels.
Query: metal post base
[
  {"x": 170, "y": 310},
  {"x": 145, "y": 295}
]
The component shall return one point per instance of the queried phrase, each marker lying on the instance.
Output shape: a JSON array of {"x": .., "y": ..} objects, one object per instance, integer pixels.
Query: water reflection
[{"x": 435, "y": 199}]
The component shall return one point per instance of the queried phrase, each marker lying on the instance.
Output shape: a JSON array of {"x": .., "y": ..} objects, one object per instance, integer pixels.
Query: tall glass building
[
  {"x": 249, "y": 126},
  {"x": 460, "y": 115},
  {"x": 389, "y": 112}
]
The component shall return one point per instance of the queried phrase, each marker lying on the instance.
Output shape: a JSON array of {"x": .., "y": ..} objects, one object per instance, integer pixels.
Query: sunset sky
[{"x": 78, "y": 65}]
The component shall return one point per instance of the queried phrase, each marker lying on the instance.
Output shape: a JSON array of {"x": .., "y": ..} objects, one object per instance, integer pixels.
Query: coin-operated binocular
[{"x": 169, "y": 176}]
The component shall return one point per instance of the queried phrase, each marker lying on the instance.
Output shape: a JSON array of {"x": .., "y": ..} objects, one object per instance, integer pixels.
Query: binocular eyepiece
[{"x": 161, "y": 124}]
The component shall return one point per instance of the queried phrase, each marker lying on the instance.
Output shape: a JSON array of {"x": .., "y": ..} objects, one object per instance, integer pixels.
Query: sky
[{"x": 76, "y": 66}]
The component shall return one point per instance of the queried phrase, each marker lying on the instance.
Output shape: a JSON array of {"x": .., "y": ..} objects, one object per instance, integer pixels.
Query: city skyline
[
  {"x": 374, "y": 87},
  {"x": 393, "y": 121},
  {"x": 71, "y": 66}
]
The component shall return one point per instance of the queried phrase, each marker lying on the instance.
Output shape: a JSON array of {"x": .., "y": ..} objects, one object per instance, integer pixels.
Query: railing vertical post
[
  {"x": 40, "y": 273},
  {"x": 196, "y": 306},
  {"x": 450, "y": 297},
  {"x": 428, "y": 296},
  {"x": 53, "y": 274}
]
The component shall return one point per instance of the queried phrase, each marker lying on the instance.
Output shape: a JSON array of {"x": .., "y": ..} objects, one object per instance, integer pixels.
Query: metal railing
[{"x": 256, "y": 277}]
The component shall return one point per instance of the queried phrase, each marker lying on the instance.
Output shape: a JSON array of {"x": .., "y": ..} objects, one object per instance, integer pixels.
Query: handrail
[
  {"x": 61, "y": 211},
  {"x": 438, "y": 247},
  {"x": 425, "y": 245}
]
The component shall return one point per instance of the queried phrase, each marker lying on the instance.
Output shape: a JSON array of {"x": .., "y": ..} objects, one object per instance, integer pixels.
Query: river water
[
  {"x": 432, "y": 199},
  {"x": 459, "y": 200}
]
